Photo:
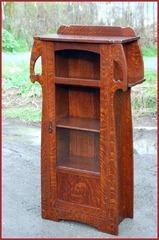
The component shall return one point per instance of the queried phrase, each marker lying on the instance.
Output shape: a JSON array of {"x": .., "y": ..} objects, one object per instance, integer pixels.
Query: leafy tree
[{"x": 9, "y": 44}]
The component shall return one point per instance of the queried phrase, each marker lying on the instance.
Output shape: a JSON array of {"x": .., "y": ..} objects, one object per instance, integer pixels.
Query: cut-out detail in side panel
[
  {"x": 118, "y": 72},
  {"x": 38, "y": 66}
]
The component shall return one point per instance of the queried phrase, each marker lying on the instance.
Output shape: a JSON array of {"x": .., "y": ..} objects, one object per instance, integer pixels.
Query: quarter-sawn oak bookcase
[{"x": 87, "y": 146}]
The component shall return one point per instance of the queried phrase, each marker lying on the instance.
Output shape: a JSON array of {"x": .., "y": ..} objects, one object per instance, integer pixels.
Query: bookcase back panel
[
  {"x": 78, "y": 149},
  {"x": 62, "y": 101},
  {"x": 84, "y": 144},
  {"x": 62, "y": 145},
  {"x": 84, "y": 102},
  {"x": 73, "y": 101},
  {"x": 77, "y": 64}
]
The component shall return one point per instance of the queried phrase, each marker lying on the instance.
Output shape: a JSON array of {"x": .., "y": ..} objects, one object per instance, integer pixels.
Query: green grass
[
  {"x": 144, "y": 96},
  {"x": 19, "y": 76},
  {"x": 150, "y": 51},
  {"x": 23, "y": 114}
]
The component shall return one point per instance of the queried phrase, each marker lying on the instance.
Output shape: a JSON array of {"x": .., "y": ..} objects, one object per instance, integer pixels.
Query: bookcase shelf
[
  {"x": 84, "y": 124},
  {"x": 78, "y": 81}
]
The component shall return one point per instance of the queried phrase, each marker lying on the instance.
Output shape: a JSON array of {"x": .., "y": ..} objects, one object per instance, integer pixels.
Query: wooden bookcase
[{"x": 87, "y": 145}]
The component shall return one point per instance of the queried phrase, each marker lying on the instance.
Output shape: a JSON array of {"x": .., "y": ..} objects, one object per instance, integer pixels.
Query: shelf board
[
  {"x": 85, "y": 124},
  {"x": 78, "y": 81},
  {"x": 79, "y": 163}
]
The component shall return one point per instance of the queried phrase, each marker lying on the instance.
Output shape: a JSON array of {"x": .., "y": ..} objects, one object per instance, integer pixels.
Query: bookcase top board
[{"x": 91, "y": 34}]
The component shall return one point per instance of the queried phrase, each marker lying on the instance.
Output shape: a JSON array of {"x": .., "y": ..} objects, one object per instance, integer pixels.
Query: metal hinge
[{"x": 50, "y": 127}]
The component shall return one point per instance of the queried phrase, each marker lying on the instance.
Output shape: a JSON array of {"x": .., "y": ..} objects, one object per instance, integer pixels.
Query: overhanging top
[
  {"x": 91, "y": 34},
  {"x": 86, "y": 39}
]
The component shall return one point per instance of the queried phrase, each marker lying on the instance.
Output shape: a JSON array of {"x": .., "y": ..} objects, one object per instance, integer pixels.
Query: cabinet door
[
  {"x": 70, "y": 143},
  {"x": 77, "y": 131}
]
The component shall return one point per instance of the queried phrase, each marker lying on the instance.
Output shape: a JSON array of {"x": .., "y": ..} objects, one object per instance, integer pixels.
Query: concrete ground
[{"x": 21, "y": 203}]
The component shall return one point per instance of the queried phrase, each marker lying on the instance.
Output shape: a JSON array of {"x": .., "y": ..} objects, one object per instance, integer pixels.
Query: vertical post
[
  {"x": 51, "y": 115},
  {"x": 45, "y": 166},
  {"x": 108, "y": 155}
]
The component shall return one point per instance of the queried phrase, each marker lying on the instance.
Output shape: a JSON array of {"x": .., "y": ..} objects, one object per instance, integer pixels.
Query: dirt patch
[{"x": 11, "y": 98}]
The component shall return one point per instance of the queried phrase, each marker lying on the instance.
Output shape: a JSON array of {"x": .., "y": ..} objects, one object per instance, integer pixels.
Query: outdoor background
[{"x": 24, "y": 20}]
